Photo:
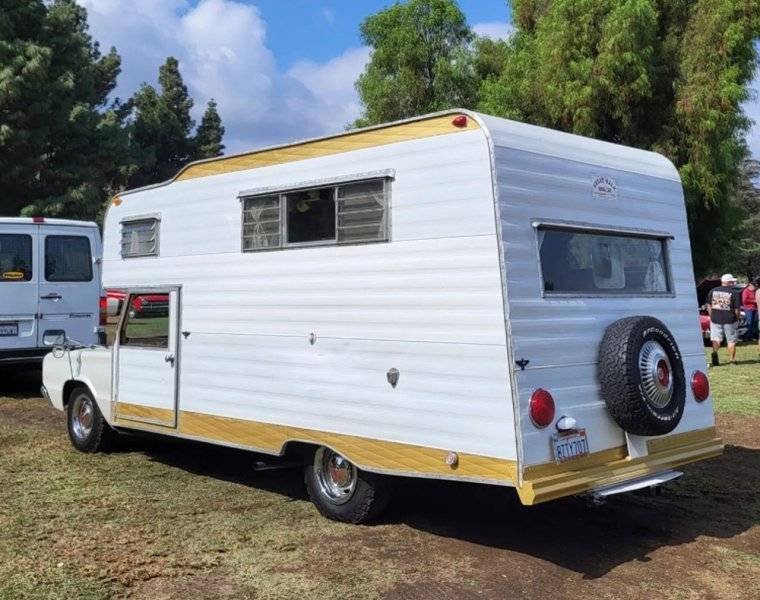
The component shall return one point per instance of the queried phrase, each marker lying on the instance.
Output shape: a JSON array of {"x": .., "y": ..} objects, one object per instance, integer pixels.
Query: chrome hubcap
[
  {"x": 335, "y": 475},
  {"x": 656, "y": 373},
  {"x": 83, "y": 415}
]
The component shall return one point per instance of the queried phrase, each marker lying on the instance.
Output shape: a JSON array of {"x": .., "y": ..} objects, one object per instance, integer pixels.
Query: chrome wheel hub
[
  {"x": 336, "y": 476},
  {"x": 656, "y": 373},
  {"x": 83, "y": 416}
]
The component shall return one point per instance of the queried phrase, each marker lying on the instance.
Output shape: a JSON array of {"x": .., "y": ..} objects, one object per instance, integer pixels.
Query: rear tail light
[
  {"x": 541, "y": 408},
  {"x": 103, "y": 310},
  {"x": 700, "y": 386}
]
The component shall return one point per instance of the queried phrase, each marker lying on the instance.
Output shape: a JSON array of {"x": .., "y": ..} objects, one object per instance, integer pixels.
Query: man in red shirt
[{"x": 749, "y": 304}]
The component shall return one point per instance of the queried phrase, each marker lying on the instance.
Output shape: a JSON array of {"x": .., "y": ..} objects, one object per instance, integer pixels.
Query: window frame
[
  {"x": 132, "y": 220},
  {"x": 664, "y": 238},
  {"x": 32, "y": 257},
  {"x": 335, "y": 184},
  {"x": 89, "y": 262}
]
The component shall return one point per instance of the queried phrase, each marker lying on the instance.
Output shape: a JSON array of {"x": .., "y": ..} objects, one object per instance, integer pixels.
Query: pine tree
[
  {"x": 161, "y": 131},
  {"x": 210, "y": 133},
  {"x": 61, "y": 143}
]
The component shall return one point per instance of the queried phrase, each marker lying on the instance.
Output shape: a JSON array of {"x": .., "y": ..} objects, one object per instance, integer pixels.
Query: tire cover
[{"x": 642, "y": 376}]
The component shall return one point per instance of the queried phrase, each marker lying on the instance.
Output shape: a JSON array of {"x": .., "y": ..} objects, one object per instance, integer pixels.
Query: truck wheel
[
  {"x": 88, "y": 430},
  {"x": 342, "y": 492},
  {"x": 642, "y": 376}
]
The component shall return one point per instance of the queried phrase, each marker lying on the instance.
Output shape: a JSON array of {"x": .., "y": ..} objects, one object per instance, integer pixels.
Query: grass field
[
  {"x": 169, "y": 519},
  {"x": 737, "y": 387}
]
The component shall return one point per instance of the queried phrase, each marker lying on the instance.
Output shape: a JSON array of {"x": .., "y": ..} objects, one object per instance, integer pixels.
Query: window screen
[
  {"x": 139, "y": 238},
  {"x": 15, "y": 258},
  {"x": 68, "y": 258},
  {"x": 583, "y": 262},
  {"x": 351, "y": 213}
]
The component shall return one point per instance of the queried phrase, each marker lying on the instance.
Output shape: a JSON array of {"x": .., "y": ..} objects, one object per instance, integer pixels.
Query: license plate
[
  {"x": 569, "y": 446},
  {"x": 8, "y": 329}
]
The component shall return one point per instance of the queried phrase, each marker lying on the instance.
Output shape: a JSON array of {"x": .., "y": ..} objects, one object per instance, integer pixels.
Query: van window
[
  {"x": 139, "y": 238},
  {"x": 68, "y": 258},
  {"x": 147, "y": 321},
  {"x": 15, "y": 258},
  {"x": 584, "y": 262},
  {"x": 352, "y": 213}
]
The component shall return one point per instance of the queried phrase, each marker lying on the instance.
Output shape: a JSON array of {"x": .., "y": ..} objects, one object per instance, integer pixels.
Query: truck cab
[{"x": 50, "y": 274}]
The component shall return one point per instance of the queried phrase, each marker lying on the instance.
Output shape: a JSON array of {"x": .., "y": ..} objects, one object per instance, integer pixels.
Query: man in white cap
[{"x": 724, "y": 308}]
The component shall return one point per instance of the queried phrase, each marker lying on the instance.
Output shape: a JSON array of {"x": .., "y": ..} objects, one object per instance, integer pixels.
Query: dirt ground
[{"x": 171, "y": 519}]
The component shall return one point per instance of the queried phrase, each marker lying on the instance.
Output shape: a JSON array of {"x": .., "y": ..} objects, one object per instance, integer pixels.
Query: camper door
[{"x": 147, "y": 357}]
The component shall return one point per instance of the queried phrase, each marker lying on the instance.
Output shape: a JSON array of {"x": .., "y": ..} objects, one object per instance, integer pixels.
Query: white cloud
[
  {"x": 222, "y": 51},
  {"x": 496, "y": 30}
]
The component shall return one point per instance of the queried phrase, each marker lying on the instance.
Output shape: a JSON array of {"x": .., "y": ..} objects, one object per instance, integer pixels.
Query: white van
[
  {"x": 49, "y": 286},
  {"x": 454, "y": 296}
]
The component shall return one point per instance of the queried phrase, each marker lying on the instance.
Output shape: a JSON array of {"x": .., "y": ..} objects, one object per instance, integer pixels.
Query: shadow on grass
[
  {"x": 20, "y": 382},
  {"x": 716, "y": 498}
]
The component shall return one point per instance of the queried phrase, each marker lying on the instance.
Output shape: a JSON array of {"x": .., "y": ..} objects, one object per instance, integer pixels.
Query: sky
[{"x": 280, "y": 70}]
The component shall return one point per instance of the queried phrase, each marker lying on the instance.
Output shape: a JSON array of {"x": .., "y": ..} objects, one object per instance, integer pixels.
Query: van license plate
[
  {"x": 8, "y": 329},
  {"x": 569, "y": 446}
]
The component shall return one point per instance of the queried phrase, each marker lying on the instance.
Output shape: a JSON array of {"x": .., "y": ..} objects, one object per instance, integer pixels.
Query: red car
[{"x": 142, "y": 305}]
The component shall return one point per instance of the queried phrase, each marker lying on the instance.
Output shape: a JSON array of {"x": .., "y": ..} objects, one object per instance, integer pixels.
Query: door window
[
  {"x": 15, "y": 257},
  {"x": 147, "y": 321},
  {"x": 68, "y": 258}
]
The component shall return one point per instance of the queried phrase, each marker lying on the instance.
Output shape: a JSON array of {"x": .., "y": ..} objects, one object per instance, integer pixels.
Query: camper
[
  {"x": 454, "y": 296},
  {"x": 49, "y": 286}
]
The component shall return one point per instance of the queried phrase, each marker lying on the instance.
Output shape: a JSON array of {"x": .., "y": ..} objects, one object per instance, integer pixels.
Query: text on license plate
[
  {"x": 8, "y": 329},
  {"x": 569, "y": 446}
]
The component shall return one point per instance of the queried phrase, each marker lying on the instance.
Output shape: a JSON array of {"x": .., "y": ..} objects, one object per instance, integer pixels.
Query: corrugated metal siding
[
  {"x": 547, "y": 175},
  {"x": 428, "y": 303}
]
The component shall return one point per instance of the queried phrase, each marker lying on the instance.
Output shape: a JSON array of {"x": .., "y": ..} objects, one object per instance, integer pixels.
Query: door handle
[
  {"x": 52, "y": 296},
  {"x": 170, "y": 359}
]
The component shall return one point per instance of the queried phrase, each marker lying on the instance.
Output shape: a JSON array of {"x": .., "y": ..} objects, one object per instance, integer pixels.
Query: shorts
[{"x": 718, "y": 330}]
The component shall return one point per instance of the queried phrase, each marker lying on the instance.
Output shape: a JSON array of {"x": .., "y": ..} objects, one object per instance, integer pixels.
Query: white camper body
[
  {"x": 49, "y": 286},
  {"x": 409, "y": 336}
]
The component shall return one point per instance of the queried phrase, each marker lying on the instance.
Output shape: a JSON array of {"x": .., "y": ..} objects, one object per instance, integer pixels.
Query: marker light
[
  {"x": 459, "y": 121},
  {"x": 541, "y": 408},
  {"x": 700, "y": 385},
  {"x": 38, "y": 219}
]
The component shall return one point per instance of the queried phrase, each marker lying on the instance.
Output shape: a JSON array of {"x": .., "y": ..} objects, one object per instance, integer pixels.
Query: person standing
[
  {"x": 757, "y": 302},
  {"x": 724, "y": 308},
  {"x": 749, "y": 306}
]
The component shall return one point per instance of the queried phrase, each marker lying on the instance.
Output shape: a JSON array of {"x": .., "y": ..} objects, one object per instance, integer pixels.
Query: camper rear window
[
  {"x": 585, "y": 262},
  {"x": 352, "y": 213},
  {"x": 139, "y": 238},
  {"x": 15, "y": 258}
]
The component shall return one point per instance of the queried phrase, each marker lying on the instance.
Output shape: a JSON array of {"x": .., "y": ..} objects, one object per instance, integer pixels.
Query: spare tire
[{"x": 642, "y": 376}]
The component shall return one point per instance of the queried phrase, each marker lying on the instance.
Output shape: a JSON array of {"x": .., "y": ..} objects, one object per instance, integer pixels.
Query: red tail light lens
[
  {"x": 103, "y": 310},
  {"x": 541, "y": 408},
  {"x": 700, "y": 385}
]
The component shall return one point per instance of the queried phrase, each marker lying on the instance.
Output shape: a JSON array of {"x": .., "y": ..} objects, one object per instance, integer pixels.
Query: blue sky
[{"x": 280, "y": 70}]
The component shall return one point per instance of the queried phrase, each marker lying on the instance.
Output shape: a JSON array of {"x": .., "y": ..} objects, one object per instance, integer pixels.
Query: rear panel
[{"x": 550, "y": 177}]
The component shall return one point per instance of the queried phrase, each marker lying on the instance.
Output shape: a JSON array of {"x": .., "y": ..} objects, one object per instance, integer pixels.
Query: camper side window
[
  {"x": 139, "y": 238},
  {"x": 352, "y": 213},
  {"x": 584, "y": 262}
]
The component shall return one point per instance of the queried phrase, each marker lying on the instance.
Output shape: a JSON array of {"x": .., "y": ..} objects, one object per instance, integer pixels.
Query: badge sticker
[{"x": 604, "y": 188}]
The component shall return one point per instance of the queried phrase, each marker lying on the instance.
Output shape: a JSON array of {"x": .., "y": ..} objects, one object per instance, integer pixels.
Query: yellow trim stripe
[
  {"x": 358, "y": 140},
  {"x": 551, "y": 481},
  {"x": 541, "y": 482},
  {"x": 367, "y": 453}
]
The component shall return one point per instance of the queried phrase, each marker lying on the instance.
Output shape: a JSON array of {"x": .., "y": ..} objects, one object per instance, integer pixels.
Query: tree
[
  {"x": 747, "y": 200},
  {"x": 421, "y": 61},
  {"x": 61, "y": 142},
  {"x": 664, "y": 75},
  {"x": 210, "y": 133},
  {"x": 161, "y": 131}
]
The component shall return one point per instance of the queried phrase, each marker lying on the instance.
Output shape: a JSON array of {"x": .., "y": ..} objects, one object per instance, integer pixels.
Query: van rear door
[
  {"x": 69, "y": 284},
  {"x": 19, "y": 292}
]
